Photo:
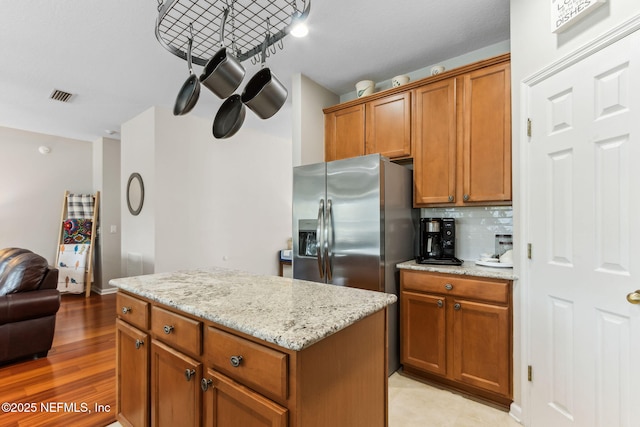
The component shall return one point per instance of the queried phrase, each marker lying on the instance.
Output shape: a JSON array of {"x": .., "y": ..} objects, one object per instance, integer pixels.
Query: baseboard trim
[
  {"x": 515, "y": 412},
  {"x": 101, "y": 291}
]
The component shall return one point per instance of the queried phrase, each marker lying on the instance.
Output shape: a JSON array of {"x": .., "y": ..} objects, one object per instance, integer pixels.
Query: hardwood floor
[{"x": 75, "y": 385}]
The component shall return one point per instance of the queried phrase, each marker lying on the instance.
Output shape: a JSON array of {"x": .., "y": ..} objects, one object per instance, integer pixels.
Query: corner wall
[{"x": 32, "y": 187}]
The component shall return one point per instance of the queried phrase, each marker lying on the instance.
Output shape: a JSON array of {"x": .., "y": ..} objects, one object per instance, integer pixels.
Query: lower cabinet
[
  {"x": 229, "y": 404},
  {"x": 457, "y": 331},
  {"x": 132, "y": 365},
  {"x": 176, "y": 369},
  {"x": 175, "y": 388}
]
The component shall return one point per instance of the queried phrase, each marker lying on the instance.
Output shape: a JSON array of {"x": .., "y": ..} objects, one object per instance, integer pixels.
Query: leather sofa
[{"x": 29, "y": 301}]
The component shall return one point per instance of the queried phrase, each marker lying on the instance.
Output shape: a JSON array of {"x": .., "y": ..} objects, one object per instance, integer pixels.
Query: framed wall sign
[{"x": 565, "y": 13}]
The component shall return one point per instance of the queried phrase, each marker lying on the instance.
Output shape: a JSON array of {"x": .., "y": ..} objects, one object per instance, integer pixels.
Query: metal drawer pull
[
  {"x": 139, "y": 343},
  {"x": 448, "y": 286},
  {"x": 205, "y": 383},
  {"x": 168, "y": 329},
  {"x": 235, "y": 361},
  {"x": 189, "y": 373},
  {"x": 440, "y": 303},
  {"x": 126, "y": 310},
  {"x": 457, "y": 306}
]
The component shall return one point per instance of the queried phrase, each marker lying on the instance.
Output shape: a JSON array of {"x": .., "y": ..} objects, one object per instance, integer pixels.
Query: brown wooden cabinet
[
  {"x": 382, "y": 125},
  {"x": 229, "y": 404},
  {"x": 344, "y": 133},
  {"x": 132, "y": 365},
  {"x": 178, "y": 369},
  {"x": 462, "y": 153},
  {"x": 175, "y": 388},
  {"x": 457, "y": 331}
]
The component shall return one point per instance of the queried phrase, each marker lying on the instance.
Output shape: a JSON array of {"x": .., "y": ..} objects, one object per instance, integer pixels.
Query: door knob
[{"x": 634, "y": 297}]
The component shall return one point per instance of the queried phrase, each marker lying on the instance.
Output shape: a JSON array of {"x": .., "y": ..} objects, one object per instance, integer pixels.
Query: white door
[{"x": 584, "y": 227}]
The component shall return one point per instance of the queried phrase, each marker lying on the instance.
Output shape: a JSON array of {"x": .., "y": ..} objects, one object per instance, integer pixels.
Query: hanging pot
[
  {"x": 223, "y": 73},
  {"x": 190, "y": 91},
  {"x": 264, "y": 94},
  {"x": 229, "y": 117}
]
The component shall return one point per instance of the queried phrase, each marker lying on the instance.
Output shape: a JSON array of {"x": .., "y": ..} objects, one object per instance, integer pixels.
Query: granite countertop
[
  {"x": 468, "y": 268},
  {"x": 290, "y": 313}
]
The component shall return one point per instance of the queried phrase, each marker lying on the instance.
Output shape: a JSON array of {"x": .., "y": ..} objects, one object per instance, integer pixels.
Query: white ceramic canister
[
  {"x": 399, "y": 80},
  {"x": 364, "y": 88}
]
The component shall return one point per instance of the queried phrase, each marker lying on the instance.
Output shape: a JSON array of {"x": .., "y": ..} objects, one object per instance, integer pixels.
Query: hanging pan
[
  {"x": 223, "y": 73},
  {"x": 229, "y": 117},
  {"x": 264, "y": 94},
  {"x": 190, "y": 91}
]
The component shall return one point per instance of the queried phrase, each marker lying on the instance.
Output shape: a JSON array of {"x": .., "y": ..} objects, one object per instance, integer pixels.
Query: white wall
[
  {"x": 308, "y": 99},
  {"x": 106, "y": 179},
  {"x": 137, "y": 154},
  {"x": 32, "y": 187},
  {"x": 533, "y": 47},
  {"x": 207, "y": 202}
]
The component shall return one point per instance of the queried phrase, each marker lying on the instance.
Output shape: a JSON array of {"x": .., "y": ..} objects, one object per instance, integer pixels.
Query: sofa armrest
[
  {"x": 28, "y": 305},
  {"x": 50, "y": 280}
]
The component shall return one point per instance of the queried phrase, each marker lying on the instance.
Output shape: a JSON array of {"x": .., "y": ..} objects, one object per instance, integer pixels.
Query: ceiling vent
[{"x": 60, "y": 95}]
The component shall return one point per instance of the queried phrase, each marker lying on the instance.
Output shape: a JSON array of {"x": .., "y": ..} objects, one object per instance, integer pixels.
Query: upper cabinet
[
  {"x": 456, "y": 126},
  {"x": 380, "y": 126},
  {"x": 462, "y": 144},
  {"x": 344, "y": 133},
  {"x": 388, "y": 126}
]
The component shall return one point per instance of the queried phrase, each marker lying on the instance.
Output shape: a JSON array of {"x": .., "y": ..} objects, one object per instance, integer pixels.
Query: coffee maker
[{"x": 438, "y": 242}]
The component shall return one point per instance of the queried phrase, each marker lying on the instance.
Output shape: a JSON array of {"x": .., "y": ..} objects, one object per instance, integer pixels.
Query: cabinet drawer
[
  {"x": 132, "y": 310},
  {"x": 261, "y": 368},
  {"x": 473, "y": 288},
  {"x": 176, "y": 330}
]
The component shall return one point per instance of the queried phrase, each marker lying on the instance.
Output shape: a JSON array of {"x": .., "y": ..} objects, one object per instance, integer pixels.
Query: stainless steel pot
[
  {"x": 223, "y": 73},
  {"x": 264, "y": 94}
]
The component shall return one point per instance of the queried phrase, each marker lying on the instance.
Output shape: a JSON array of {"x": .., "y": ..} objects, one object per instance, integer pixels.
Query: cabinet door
[
  {"x": 176, "y": 398},
  {"x": 482, "y": 345},
  {"x": 434, "y": 157},
  {"x": 229, "y": 404},
  {"x": 344, "y": 133},
  {"x": 132, "y": 369},
  {"x": 423, "y": 331},
  {"x": 388, "y": 125},
  {"x": 487, "y": 135}
]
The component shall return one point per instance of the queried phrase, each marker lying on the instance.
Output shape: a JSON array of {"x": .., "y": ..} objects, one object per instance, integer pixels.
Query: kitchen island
[{"x": 227, "y": 348}]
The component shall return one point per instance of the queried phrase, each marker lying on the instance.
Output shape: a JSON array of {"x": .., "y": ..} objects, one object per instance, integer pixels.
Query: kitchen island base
[{"x": 231, "y": 378}]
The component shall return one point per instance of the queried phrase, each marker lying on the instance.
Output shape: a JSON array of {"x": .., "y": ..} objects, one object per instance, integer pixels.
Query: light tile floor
[{"x": 414, "y": 404}]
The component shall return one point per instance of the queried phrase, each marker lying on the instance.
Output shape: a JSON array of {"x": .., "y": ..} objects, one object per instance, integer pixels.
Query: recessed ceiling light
[
  {"x": 299, "y": 30},
  {"x": 110, "y": 132}
]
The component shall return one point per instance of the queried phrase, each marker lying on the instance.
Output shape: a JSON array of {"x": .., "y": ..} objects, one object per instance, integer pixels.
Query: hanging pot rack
[{"x": 249, "y": 21}]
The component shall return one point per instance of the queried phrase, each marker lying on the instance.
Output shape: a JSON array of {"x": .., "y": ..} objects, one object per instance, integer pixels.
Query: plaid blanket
[{"x": 80, "y": 206}]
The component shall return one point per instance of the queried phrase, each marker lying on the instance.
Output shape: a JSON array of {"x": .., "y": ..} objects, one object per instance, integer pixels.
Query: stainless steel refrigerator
[{"x": 353, "y": 221}]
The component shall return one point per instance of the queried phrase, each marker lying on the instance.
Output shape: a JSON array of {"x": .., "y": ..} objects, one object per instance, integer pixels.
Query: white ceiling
[{"x": 106, "y": 54}]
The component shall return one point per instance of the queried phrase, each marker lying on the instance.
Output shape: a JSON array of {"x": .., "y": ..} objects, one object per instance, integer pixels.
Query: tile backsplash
[{"x": 476, "y": 227}]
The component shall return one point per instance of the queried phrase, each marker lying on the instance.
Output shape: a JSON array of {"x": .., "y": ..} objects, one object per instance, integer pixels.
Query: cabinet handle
[
  {"x": 189, "y": 373},
  {"x": 457, "y": 306},
  {"x": 448, "y": 286},
  {"x": 451, "y": 198},
  {"x": 440, "y": 303},
  {"x": 168, "y": 329},
  {"x": 235, "y": 361},
  {"x": 466, "y": 197},
  {"x": 139, "y": 343},
  {"x": 126, "y": 310},
  {"x": 205, "y": 383}
]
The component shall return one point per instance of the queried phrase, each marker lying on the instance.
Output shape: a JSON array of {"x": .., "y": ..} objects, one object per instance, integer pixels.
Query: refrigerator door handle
[
  {"x": 319, "y": 239},
  {"x": 328, "y": 243}
]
